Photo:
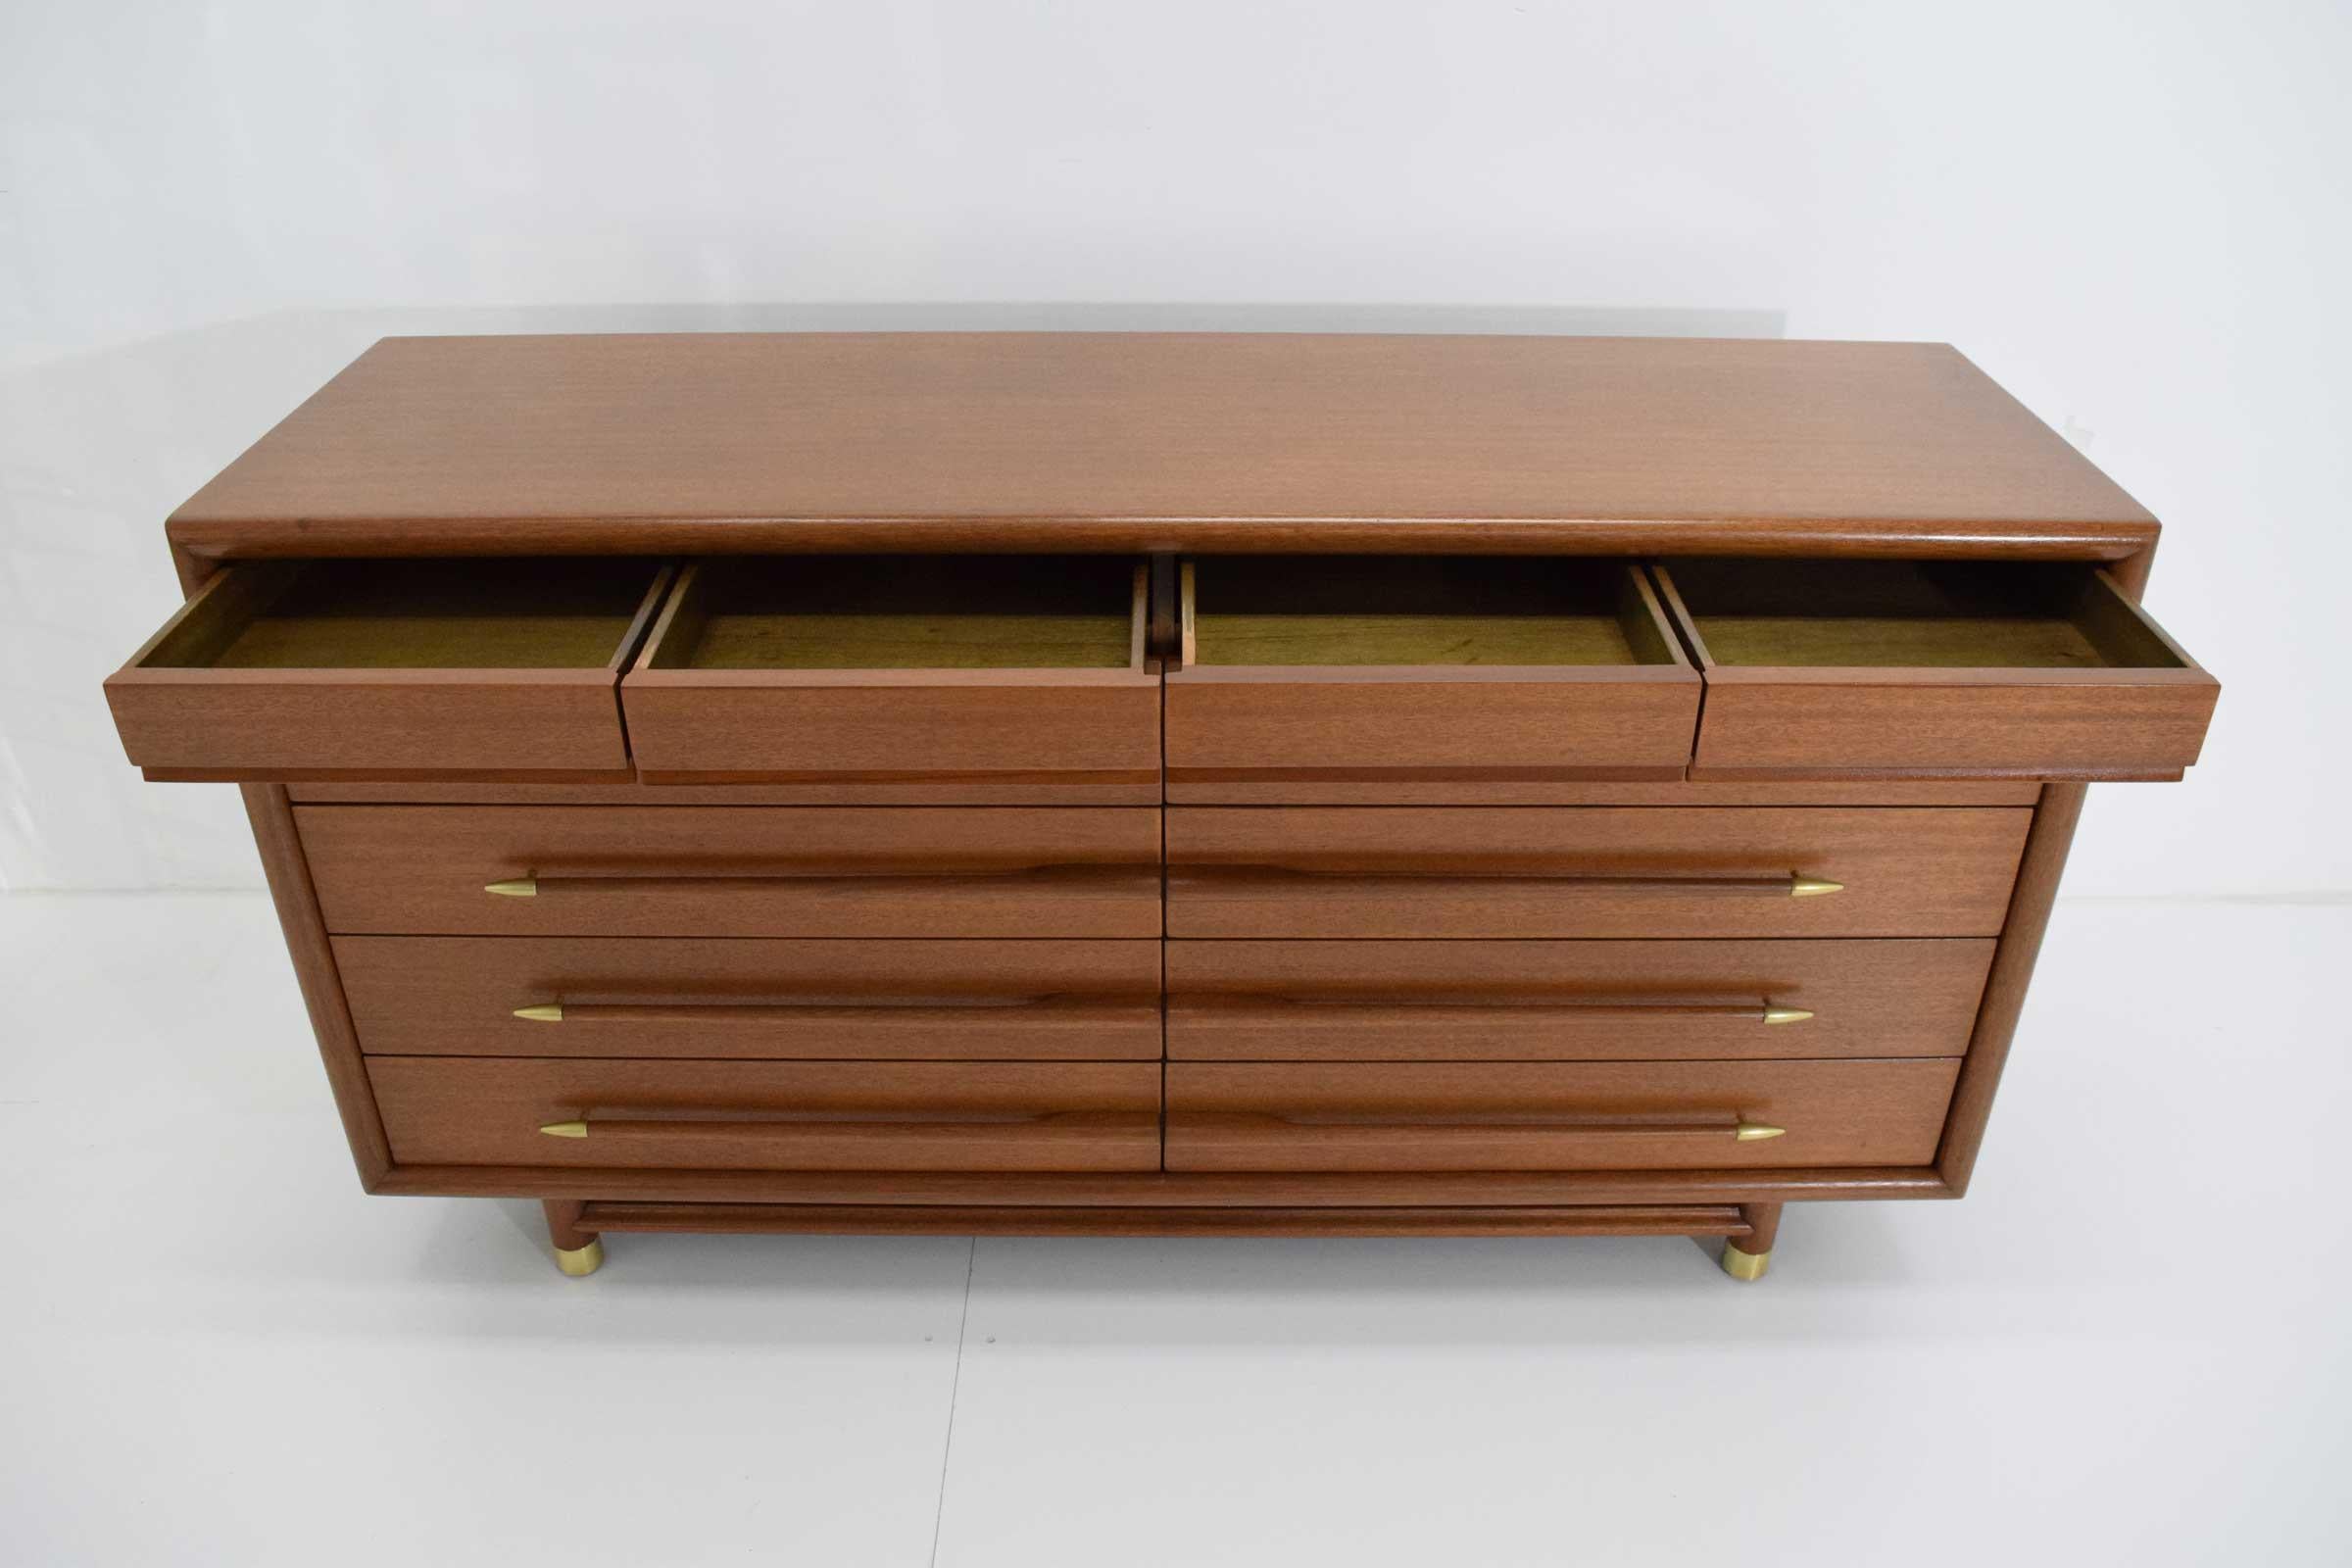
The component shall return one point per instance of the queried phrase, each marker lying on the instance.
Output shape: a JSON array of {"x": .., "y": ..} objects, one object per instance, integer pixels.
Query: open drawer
[
  {"x": 318, "y": 669},
  {"x": 1472, "y": 672},
  {"x": 2001, "y": 669},
  {"x": 994, "y": 678}
]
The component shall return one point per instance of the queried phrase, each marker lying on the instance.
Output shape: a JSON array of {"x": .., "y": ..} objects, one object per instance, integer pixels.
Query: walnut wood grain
[
  {"x": 864, "y": 1219},
  {"x": 1476, "y": 871},
  {"x": 770, "y": 1115},
  {"x": 764, "y": 999},
  {"x": 1594, "y": 1116},
  {"x": 1569, "y": 1001},
  {"x": 781, "y": 871},
  {"x": 715, "y": 443}
]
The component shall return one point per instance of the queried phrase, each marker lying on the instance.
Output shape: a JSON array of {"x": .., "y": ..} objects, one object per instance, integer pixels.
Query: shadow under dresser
[{"x": 1128, "y": 783}]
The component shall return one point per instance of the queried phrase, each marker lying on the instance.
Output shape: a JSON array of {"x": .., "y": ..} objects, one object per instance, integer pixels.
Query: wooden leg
[
  {"x": 1745, "y": 1257},
  {"x": 578, "y": 1251}
]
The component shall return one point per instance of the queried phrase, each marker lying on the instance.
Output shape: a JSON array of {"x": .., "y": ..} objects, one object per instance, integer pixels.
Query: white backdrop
[{"x": 2134, "y": 215}]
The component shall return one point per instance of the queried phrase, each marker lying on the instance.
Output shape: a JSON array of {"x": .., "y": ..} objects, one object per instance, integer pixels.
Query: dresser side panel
[
  {"x": 288, "y": 872},
  {"x": 2038, "y": 874}
]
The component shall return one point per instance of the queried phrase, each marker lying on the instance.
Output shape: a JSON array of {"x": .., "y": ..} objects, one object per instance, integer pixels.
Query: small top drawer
[
  {"x": 987, "y": 680},
  {"x": 390, "y": 668},
  {"x": 1427, "y": 673},
  {"x": 1999, "y": 669}
]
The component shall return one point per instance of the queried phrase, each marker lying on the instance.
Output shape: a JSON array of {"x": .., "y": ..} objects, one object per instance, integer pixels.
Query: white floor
[{"x": 2129, "y": 1345}]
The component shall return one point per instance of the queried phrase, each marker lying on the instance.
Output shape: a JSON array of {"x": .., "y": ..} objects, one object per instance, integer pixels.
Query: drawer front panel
[
  {"x": 912, "y": 999},
  {"x": 1571, "y": 1000},
  {"x": 1785, "y": 724},
  {"x": 203, "y": 726},
  {"x": 1090, "y": 729},
  {"x": 1303, "y": 872},
  {"x": 1231, "y": 731},
  {"x": 749, "y": 871},
  {"x": 1526, "y": 1116},
  {"x": 765, "y": 1115}
]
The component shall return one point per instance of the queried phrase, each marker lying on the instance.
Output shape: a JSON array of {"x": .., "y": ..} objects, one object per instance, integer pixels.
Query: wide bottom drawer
[
  {"x": 768, "y": 1115},
  {"x": 1599, "y": 1116}
]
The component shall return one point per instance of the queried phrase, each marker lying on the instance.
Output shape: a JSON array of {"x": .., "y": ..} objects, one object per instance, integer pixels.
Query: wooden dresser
[{"x": 1098, "y": 783}]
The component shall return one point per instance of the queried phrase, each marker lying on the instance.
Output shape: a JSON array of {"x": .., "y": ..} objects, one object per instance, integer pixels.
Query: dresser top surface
[{"x": 1157, "y": 440}]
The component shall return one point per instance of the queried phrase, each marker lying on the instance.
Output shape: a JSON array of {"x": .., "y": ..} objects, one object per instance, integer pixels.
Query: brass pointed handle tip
[
  {"x": 1812, "y": 887},
  {"x": 1785, "y": 1015},
  {"x": 553, "y": 1013},
  {"x": 523, "y": 887},
  {"x": 1748, "y": 1132},
  {"x": 579, "y": 1129}
]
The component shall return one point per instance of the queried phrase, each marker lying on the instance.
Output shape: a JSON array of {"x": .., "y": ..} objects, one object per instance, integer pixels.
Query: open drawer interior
[
  {"x": 1932, "y": 614},
  {"x": 972, "y": 679},
  {"x": 904, "y": 613},
  {"x": 491, "y": 613},
  {"x": 295, "y": 668},
  {"x": 1319, "y": 678},
  {"x": 2036, "y": 669},
  {"x": 1418, "y": 610}
]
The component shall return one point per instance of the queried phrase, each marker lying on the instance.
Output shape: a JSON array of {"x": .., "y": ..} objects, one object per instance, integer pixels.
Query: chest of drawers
[{"x": 1098, "y": 784}]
